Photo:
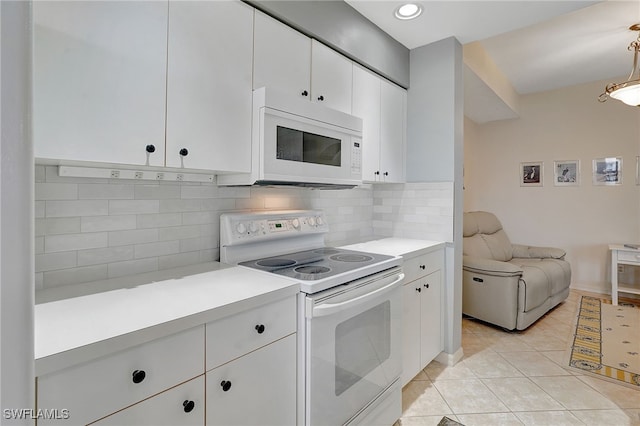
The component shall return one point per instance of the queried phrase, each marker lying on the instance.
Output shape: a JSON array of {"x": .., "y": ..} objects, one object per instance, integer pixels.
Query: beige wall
[{"x": 566, "y": 124}]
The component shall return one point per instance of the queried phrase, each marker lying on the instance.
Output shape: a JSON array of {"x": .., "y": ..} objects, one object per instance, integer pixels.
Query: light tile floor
[{"x": 516, "y": 378}]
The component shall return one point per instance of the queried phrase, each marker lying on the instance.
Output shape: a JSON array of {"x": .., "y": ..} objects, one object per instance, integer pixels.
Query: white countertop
[
  {"x": 129, "y": 311},
  {"x": 398, "y": 246}
]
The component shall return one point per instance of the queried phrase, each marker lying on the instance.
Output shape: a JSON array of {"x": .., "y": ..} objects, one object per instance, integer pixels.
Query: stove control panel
[{"x": 245, "y": 227}]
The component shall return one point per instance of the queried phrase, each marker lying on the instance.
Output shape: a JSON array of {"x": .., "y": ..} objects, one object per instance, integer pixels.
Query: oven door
[{"x": 353, "y": 347}]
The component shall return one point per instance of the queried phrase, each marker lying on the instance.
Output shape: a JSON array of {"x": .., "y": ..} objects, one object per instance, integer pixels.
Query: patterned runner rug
[{"x": 606, "y": 342}]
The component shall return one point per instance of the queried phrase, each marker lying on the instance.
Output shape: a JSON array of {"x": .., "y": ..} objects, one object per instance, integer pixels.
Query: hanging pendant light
[{"x": 629, "y": 91}]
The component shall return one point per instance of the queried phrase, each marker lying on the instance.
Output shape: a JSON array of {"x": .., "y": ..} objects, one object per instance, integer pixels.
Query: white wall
[
  {"x": 16, "y": 214},
  {"x": 435, "y": 121},
  {"x": 566, "y": 124}
]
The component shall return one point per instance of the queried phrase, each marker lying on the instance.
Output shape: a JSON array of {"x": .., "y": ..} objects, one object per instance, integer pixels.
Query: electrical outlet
[
  {"x": 621, "y": 269},
  {"x": 138, "y": 175},
  {"x": 180, "y": 177},
  {"x": 115, "y": 173},
  {"x": 160, "y": 176}
]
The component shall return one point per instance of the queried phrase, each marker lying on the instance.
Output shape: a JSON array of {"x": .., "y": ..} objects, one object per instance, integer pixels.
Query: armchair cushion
[
  {"x": 484, "y": 237},
  {"x": 490, "y": 267}
]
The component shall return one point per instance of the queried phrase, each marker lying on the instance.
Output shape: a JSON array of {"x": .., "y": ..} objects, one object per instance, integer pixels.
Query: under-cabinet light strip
[{"x": 117, "y": 173}]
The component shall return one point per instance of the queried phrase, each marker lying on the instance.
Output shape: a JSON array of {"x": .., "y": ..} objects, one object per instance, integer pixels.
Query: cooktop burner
[
  {"x": 316, "y": 264},
  {"x": 351, "y": 257}
]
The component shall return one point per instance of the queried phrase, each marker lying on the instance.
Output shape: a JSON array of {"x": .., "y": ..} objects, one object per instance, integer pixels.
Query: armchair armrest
[
  {"x": 534, "y": 252},
  {"x": 490, "y": 267}
]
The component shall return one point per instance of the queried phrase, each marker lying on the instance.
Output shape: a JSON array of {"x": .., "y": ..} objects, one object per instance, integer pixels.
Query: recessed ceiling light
[{"x": 408, "y": 11}]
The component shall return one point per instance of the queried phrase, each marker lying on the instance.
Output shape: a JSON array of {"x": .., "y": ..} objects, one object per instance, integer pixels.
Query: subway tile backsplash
[{"x": 93, "y": 229}]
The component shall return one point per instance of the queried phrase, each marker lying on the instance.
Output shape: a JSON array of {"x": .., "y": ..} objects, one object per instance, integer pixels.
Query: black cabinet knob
[
  {"x": 386, "y": 173},
  {"x": 184, "y": 152},
  {"x": 260, "y": 328},
  {"x": 321, "y": 98},
  {"x": 150, "y": 149},
  {"x": 226, "y": 385},
  {"x": 138, "y": 376},
  {"x": 423, "y": 267},
  {"x": 305, "y": 93},
  {"x": 426, "y": 285},
  {"x": 188, "y": 406},
  {"x": 418, "y": 289},
  {"x": 377, "y": 173}
]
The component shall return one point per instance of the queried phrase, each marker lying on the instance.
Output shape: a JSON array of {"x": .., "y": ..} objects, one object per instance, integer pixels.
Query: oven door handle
[{"x": 331, "y": 308}]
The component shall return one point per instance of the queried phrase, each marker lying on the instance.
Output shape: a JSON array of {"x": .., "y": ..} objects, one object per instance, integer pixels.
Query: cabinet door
[
  {"x": 331, "y": 78},
  {"x": 431, "y": 317},
  {"x": 209, "y": 85},
  {"x": 366, "y": 105},
  {"x": 99, "y": 73},
  {"x": 182, "y": 405},
  {"x": 282, "y": 57},
  {"x": 256, "y": 389},
  {"x": 392, "y": 132},
  {"x": 411, "y": 331}
]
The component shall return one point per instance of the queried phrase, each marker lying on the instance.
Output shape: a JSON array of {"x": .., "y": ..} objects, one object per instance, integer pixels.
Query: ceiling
[{"x": 537, "y": 45}]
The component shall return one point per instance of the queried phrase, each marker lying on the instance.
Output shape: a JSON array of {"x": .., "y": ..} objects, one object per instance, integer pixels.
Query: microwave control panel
[{"x": 356, "y": 156}]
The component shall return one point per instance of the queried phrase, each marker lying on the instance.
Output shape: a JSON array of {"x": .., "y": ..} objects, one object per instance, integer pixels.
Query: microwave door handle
[{"x": 331, "y": 308}]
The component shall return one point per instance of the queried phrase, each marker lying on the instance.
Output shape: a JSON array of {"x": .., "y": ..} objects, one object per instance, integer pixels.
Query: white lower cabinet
[
  {"x": 256, "y": 389},
  {"x": 422, "y": 313},
  {"x": 182, "y": 405},
  {"x": 249, "y": 359}
]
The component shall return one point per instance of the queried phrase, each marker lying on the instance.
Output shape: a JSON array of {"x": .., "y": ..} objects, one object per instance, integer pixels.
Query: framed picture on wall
[
  {"x": 566, "y": 173},
  {"x": 531, "y": 173},
  {"x": 607, "y": 171}
]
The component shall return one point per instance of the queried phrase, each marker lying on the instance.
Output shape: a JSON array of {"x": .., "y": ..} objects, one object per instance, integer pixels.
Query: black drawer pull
[
  {"x": 226, "y": 385},
  {"x": 478, "y": 280},
  {"x": 419, "y": 290},
  {"x": 260, "y": 328},
  {"x": 138, "y": 376},
  {"x": 426, "y": 285},
  {"x": 188, "y": 406},
  {"x": 423, "y": 267}
]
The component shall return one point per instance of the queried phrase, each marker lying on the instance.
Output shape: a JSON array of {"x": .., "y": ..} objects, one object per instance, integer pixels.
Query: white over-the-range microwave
[{"x": 298, "y": 142}]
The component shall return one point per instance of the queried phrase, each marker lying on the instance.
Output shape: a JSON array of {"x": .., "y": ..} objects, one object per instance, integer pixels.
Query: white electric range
[{"x": 349, "y": 327}]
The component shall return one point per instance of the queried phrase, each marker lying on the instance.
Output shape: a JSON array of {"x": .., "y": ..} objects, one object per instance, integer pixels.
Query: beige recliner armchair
[{"x": 509, "y": 285}]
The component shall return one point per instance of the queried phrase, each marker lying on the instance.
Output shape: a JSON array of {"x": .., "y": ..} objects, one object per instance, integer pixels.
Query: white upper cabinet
[
  {"x": 209, "y": 85},
  {"x": 331, "y": 78},
  {"x": 382, "y": 107},
  {"x": 99, "y": 75},
  {"x": 366, "y": 105},
  {"x": 289, "y": 61},
  {"x": 393, "y": 113},
  {"x": 282, "y": 57},
  {"x": 126, "y": 82}
]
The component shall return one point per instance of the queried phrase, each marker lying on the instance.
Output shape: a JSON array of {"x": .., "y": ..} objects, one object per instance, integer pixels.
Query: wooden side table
[{"x": 621, "y": 255}]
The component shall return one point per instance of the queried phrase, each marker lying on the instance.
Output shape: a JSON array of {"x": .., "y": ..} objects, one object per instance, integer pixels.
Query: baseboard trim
[{"x": 450, "y": 359}]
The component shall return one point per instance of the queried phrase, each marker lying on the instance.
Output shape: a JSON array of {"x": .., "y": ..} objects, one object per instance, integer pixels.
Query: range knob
[
  {"x": 312, "y": 221},
  {"x": 319, "y": 221},
  {"x": 295, "y": 223},
  {"x": 253, "y": 227},
  {"x": 241, "y": 228}
]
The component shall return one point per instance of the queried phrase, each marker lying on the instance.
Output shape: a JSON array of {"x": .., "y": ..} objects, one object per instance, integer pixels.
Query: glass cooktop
[{"x": 316, "y": 264}]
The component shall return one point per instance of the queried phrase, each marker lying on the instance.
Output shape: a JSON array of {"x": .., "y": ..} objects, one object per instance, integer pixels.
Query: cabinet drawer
[
  {"x": 422, "y": 265},
  {"x": 236, "y": 335},
  {"x": 182, "y": 405},
  {"x": 100, "y": 387},
  {"x": 627, "y": 256}
]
